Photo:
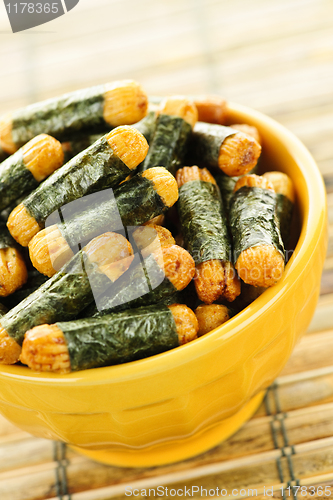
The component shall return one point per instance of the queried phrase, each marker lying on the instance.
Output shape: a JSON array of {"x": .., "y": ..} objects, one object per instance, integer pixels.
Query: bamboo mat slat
[
  {"x": 322, "y": 319},
  {"x": 273, "y": 56}
]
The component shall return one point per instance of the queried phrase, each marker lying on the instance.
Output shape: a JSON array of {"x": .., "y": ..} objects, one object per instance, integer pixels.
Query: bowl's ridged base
[{"x": 172, "y": 451}]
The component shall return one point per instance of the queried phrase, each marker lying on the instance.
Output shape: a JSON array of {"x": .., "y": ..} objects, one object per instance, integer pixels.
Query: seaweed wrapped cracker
[
  {"x": 161, "y": 274},
  {"x": 285, "y": 199},
  {"x": 217, "y": 146},
  {"x": 135, "y": 202},
  {"x": 103, "y": 165},
  {"x": 258, "y": 247},
  {"x": 68, "y": 292},
  {"x": 28, "y": 167},
  {"x": 113, "y": 339},
  {"x": 169, "y": 143},
  {"x": 80, "y": 142},
  {"x": 206, "y": 236},
  {"x": 109, "y": 105}
]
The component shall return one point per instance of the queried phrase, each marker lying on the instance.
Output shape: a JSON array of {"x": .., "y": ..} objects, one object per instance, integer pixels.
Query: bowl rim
[{"x": 314, "y": 216}]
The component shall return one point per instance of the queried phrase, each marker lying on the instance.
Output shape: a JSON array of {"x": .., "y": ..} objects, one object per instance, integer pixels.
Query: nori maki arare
[
  {"x": 258, "y": 248},
  {"x": 134, "y": 202},
  {"x": 108, "y": 309},
  {"x": 205, "y": 231},
  {"x": 79, "y": 142},
  {"x": 285, "y": 199},
  {"x": 103, "y": 165},
  {"x": 156, "y": 279},
  {"x": 224, "y": 148},
  {"x": 28, "y": 167},
  {"x": 63, "y": 296},
  {"x": 116, "y": 338},
  {"x": 169, "y": 142},
  {"x": 104, "y": 106}
]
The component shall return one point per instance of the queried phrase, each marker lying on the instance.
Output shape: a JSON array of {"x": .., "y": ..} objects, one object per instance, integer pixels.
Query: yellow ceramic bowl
[{"x": 182, "y": 402}]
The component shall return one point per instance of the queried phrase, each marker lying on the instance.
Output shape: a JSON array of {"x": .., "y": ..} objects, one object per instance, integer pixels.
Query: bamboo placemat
[{"x": 276, "y": 57}]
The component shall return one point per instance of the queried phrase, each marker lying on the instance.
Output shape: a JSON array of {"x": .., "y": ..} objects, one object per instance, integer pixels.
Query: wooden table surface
[{"x": 275, "y": 56}]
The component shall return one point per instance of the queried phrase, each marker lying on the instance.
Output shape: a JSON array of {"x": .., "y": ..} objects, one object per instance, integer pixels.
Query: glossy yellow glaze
[{"x": 139, "y": 414}]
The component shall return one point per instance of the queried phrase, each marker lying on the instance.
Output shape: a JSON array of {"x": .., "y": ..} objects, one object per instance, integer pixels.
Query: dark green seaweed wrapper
[
  {"x": 79, "y": 143},
  {"x": 6, "y": 241},
  {"x": 96, "y": 168},
  {"x": 169, "y": 143},
  {"x": 3, "y": 310},
  {"x": 15, "y": 179},
  {"x": 253, "y": 220},
  {"x": 134, "y": 202},
  {"x": 207, "y": 140},
  {"x": 60, "y": 116},
  {"x": 147, "y": 126},
  {"x": 203, "y": 222},
  {"x": 62, "y": 297},
  {"x": 142, "y": 285},
  {"x": 120, "y": 337},
  {"x": 3, "y": 154},
  {"x": 138, "y": 201},
  {"x": 5, "y": 213},
  {"x": 35, "y": 280},
  {"x": 226, "y": 185},
  {"x": 284, "y": 214}
]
